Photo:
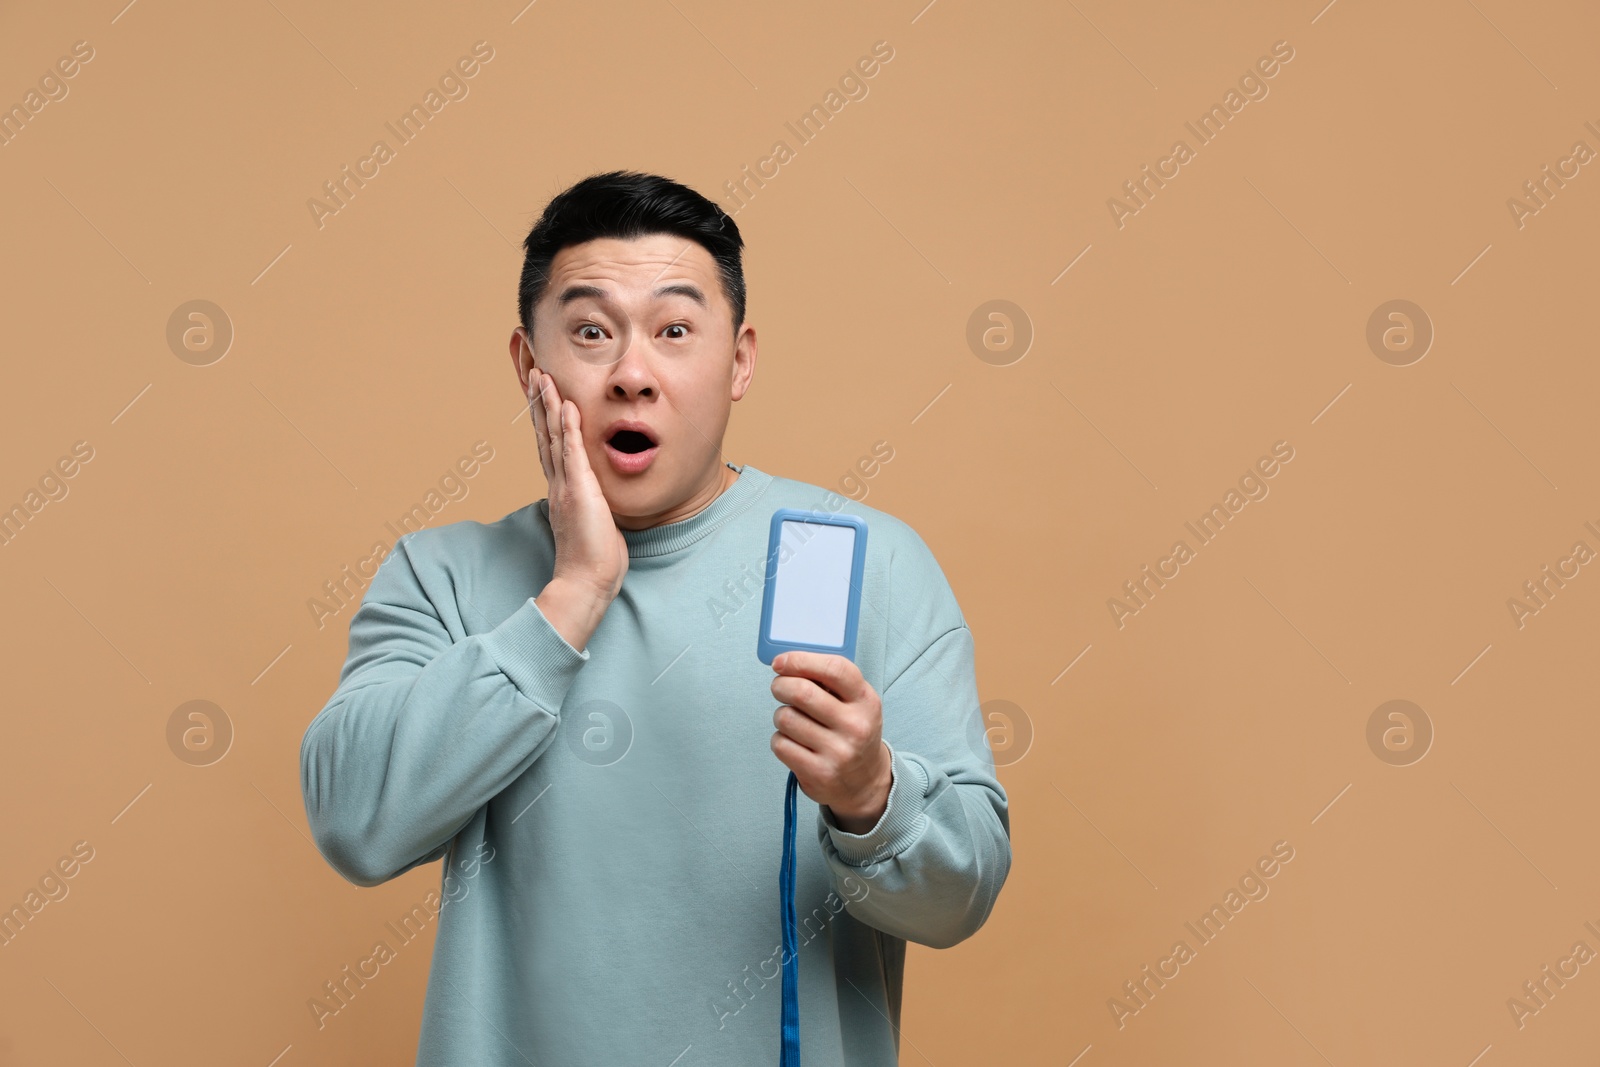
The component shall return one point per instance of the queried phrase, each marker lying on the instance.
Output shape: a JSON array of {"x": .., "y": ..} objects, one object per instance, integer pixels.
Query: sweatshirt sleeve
[
  {"x": 425, "y": 727},
  {"x": 933, "y": 865}
]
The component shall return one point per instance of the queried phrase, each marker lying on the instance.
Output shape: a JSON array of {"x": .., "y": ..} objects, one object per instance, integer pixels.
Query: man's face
[{"x": 641, "y": 332}]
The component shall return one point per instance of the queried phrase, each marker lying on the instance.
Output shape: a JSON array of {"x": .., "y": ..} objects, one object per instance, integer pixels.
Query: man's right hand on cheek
[{"x": 591, "y": 553}]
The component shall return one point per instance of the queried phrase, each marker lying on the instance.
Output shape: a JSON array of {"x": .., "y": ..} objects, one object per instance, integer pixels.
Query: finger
[
  {"x": 536, "y": 410},
  {"x": 802, "y": 729},
  {"x": 552, "y": 420},
  {"x": 835, "y": 673},
  {"x": 799, "y": 759},
  {"x": 577, "y": 456},
  {"x": 811, "y": 698},
  {"x": 571, "y": 440}
]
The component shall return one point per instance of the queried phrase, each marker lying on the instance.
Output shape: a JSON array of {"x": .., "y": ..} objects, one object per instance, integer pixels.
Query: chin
[{"x": 635, "y": 495}]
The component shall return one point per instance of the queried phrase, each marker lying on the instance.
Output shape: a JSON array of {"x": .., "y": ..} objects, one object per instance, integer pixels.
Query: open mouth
[
  {"x": 630, "y": 442},
  {"x": 632, "y": 447}
]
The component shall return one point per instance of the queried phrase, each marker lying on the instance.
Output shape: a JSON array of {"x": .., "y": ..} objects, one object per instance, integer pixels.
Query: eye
[
  {"x": 679, "y": 326},
  {"x": 591, "y": 337}
]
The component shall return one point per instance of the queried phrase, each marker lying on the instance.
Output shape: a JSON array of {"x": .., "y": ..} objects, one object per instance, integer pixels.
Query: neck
[{"x": 710, "y": 488}]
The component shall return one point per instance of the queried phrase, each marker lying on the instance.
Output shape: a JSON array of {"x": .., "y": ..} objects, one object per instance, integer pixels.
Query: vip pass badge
[{"x": 811, "y": 602}]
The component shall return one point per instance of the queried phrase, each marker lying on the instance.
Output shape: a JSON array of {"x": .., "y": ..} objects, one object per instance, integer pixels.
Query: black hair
[{"x": 627, "y": 204}]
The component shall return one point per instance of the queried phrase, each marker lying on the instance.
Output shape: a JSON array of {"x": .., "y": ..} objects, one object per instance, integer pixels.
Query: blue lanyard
[{"x": 790, "y": 1056}]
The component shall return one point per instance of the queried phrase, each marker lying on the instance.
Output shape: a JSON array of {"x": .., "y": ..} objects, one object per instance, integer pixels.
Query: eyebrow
[{"x": 580, "y": 292}]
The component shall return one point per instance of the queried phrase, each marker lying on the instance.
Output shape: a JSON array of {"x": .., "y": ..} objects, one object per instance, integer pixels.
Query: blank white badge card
[{"x": 811, "y": 595}]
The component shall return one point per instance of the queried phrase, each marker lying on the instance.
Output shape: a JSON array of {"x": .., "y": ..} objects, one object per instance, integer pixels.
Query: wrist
[
  {"x": 574, "y": 608},
  {"x": 860, "y": 817}
]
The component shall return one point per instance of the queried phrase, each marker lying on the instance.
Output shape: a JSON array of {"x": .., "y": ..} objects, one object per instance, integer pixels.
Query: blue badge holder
[
  {"x": 812, "y": 624},
  {"x": 811, "y": 618}
]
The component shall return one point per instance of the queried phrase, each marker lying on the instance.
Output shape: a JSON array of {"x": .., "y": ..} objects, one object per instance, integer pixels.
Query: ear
[
  {"x": 522, "y": 359},
  {"x": 744, "y": 360}
]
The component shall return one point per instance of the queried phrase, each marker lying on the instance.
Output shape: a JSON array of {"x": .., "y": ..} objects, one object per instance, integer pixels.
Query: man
[{"x": 566, "y": 704}]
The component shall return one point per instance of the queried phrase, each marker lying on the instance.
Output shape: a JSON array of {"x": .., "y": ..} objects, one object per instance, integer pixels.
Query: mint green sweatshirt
[{"x": 611, "y": 819}]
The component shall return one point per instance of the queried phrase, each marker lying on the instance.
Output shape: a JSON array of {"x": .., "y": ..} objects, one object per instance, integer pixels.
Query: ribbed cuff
[
  {"x": 901, "y": 823},
  {"x": 534, "y": 655}
]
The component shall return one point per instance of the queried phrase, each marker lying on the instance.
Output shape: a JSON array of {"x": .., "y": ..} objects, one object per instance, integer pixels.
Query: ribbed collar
[{"x": 675, "y": 536}]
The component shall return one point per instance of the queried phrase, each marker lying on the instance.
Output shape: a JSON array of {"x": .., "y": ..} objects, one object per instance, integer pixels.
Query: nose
[{"x": 631, "y": 375}]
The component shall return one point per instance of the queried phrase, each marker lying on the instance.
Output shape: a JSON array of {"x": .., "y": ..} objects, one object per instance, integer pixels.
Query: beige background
[{"x": 1228, "y": 314}]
